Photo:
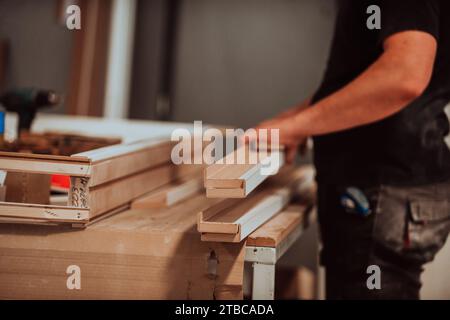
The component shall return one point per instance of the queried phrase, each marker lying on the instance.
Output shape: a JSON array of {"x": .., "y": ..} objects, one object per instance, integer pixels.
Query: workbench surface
[{"x": 136, "y": 254}]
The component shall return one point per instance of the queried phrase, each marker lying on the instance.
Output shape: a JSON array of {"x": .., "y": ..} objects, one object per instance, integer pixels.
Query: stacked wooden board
[
  {"x": 170, "y": 194},
  {"x": 240, "y": 172},
  {"x": 152, "y": 251},
  {"x": 135, "y": 254},
  {"x": 102, "y": 180},
  {"x": 233, "y": 219}
]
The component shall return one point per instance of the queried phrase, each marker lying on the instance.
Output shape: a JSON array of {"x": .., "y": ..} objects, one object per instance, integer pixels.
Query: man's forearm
[
  {"x": 295, "y": 110},
  {"x": 383, "y": 89}
]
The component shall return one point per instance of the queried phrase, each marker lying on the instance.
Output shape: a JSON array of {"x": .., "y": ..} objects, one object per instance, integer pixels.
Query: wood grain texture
[
  {"x": 117, "y": 161},
  {"x": 243, "y": 217},
  {"x": 18, "y": 211},
  {"x": 171, "y": 193},
  {"x": 106, "y": 197},
  {"x": 232, "y": 220},
  {"x": 274, "y": 231},
  {"x": 18, "y": 162},
  {"x": 27, "y": 188},
  {"x": 102, "y": 179},
  {"x": 240, "y": 172},
  {"x": 136, "y": 254}
]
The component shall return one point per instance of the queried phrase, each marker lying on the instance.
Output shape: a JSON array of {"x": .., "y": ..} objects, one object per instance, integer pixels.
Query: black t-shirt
[{"x": 407, "y": 148}]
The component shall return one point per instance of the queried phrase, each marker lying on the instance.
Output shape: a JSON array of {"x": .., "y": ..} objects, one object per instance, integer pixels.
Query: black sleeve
[{"x": 402, "y": 15}]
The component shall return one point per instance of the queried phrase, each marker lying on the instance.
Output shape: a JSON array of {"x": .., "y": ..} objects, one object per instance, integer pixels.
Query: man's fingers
[
  {"x": 291, "y": 152},
  {"x": 304, "y": 147}
]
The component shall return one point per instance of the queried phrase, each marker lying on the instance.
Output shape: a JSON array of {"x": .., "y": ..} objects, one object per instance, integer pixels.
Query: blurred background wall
[
  {"x": 39, "y": 48},
  {"x": 236, "y": 62}
]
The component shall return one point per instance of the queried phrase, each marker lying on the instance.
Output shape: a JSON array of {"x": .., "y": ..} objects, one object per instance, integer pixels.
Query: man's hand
[{"x": 288, "y": 137}]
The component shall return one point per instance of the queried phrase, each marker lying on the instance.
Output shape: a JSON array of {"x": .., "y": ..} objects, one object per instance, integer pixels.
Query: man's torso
[{"x": 407, "y": 148}]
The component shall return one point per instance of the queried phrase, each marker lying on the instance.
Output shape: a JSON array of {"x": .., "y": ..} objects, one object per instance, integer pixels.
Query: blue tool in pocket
[{"x": 353, "y": 200}]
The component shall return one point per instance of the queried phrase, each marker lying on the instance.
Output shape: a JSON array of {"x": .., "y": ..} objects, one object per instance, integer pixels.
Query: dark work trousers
[{"x": 407, "y": 227}]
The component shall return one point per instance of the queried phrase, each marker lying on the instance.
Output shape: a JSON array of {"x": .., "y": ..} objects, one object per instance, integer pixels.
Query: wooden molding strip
[
  {"x": 101, "y": 165},
  {"x": 232, "y": 220},
  {"x": 43, "y": 212},
  {"x": 45, "y": 165},
  {"x": 101, "y": 217},
  {"x": 243, "y": 217},
  {"x": 238, "y": 180},
  {"x": 109, "y": 152},
  {"x": 115, "y": 162},
  {"x": 106, "y": 197},
  {"x": 274, "y": 231},
  {"x": 35, "y": 156},
  {"x": 170, "y": 194}
]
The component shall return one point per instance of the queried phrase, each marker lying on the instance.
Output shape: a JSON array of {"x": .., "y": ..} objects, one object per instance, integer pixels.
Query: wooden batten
[
  {"x": 273, "y": 232},
  {"x": 113, "y": 162},
  {"x": 103, "y": 198},
  {"x": 238, "y": 180},
  {"x": 140, "y": 256},
  {"x": 22, "y": 212},
  {"x": 45, "y": 164},
  {"x": 232, "y": 220},
  {"x": 241, "y": 218},
  {"x": 171, "y": 193},
  {"x": 102, "y": 180}
]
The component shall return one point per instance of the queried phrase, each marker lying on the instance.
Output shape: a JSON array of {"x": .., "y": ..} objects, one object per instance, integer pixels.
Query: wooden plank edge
[
  {"x": 42, "y": 166},
  {"x": 220, "y": 237},
  {"x": 170, "y": 194},
  {"x": 267, "y": 241},
  {"x": 101, "y": 217},
  {"x": 184, "y": 191},
  {"x": 236, "y": 193},
  {"x": 117, "y": 150},
  {"x": 218, "y": 227},
  {"x": 223, "y": 183},
  {"x": 269, "y": 211},
  {"x": 203, "y": 216},
  {"x": 43, "y": 212},
  {"x": 36, "y": 156}
]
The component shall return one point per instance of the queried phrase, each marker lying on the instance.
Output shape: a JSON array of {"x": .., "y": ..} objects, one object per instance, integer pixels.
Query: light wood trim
[
  {"x": 225, "y": 193},
  {"x": 45, "y": 166},
  {"x": 241, "y": 179},
  {"x": 35, "y": 156},
  {"x": 207, "y": 214},
  {"x": 117, "y": 150},
  {"x": 220, "y": 237},
  {"x": 249, "y": 214},
  {"x": 170, "y": 194},
  {"x": 274, "y": 231},
  {"x": 106, "y": 197},
  {"x": 43, "y": 212},
  {"x": 128, "y": 159},
  {"x": 244, "y": 215}
]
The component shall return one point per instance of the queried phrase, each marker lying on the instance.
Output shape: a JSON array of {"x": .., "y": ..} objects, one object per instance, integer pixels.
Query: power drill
[{"x": 26, "y": 102}]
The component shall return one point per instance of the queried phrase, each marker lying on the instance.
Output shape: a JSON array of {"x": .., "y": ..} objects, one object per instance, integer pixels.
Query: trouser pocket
[
  {"x": 412, "y": 223},
  {"x": 428, "y": 226}
]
